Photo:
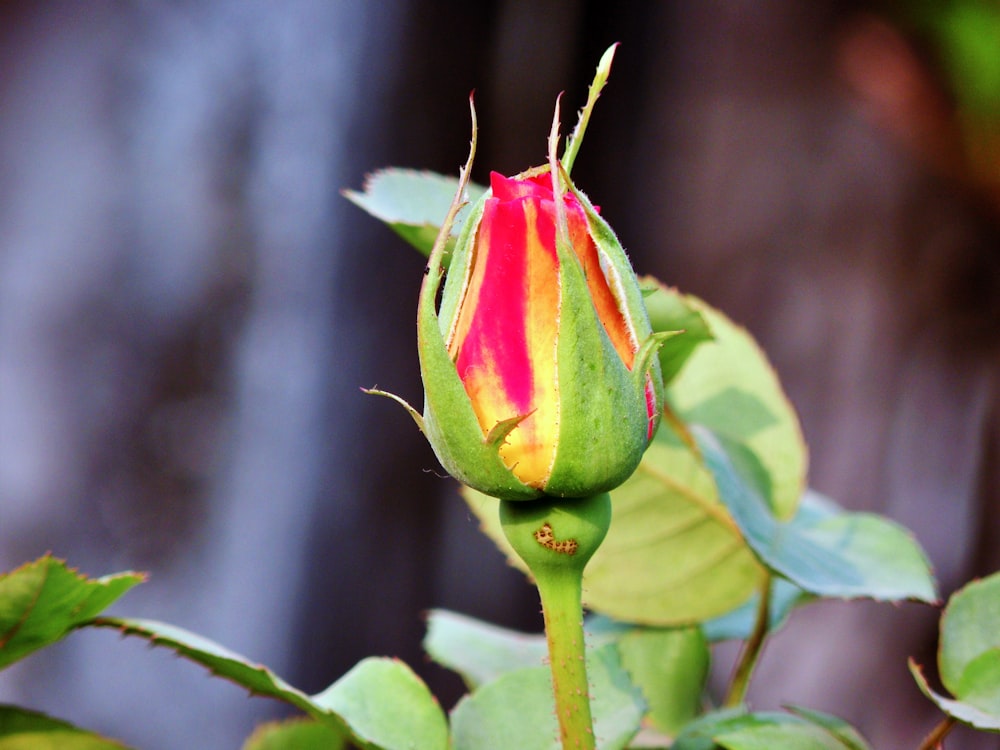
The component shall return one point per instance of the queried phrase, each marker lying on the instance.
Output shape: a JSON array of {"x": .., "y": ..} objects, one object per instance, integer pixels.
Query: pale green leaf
[
  {"x": 413, "y": 203},
  {"x": 969, "y": 655},
  {"x": 21, "y": 729},
  {"x": 220, "y": 661},
  {"x": 734, "y": 729},
  {"x": 970, "y": 631},
  {"x": 672, "y": 555},
  {"x": 967, "y": 713},
  {"x": 387, "y": 705},
  {"x": 670, "y": 667},
  {"x": 786, "y": 736},
  {"x": 296, "y": 734},
  {"x": 518, "y": 710},
  {"x": 848, "y": 735},
  {"x": 42, "y": 601},
  {"x": 729, "y": 386},
  {"x": 479, "y": 651},
  {"x": 379, "y": 702},
  {"x": 828, "y": 554},
  {"x": 700, "y": 733},
  {"x": 980, "y": 683}
]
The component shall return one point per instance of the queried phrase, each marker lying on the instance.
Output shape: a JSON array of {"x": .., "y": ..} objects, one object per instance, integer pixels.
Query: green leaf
[
  {"x": 980, "y": 683},
  {"x": 848, "y": 735},
  {"x": 41, "y": 601},
  {"x": 21, "y": 729},
  {"x": 831, "y": 554},
  {"x": 479, "y": 651},
  {"x": 387, "y": 705},
  {"x": 969, "y": 655},
  {"x": 295, "y": 734},
  {"x": 380, "y": 701},
  {"x": 413, "y": 203},
  {"x": 700, "y": 733},
  {"x": 970, "y": 632},
  {"x": 220, "y": 661},
  {"x": 518, "y": 711},
  {"x": 669, "y": 310},
  {"x": 965, "y": 712},
  {"x": 786, "y": 736},
  {"x": 785, "y": 595},
  {"x": 670, "y": 667},
  {"x": 730, "y": 387},
  {"x": 735, "y": 729},
  {"x": 968, "y": 35}
]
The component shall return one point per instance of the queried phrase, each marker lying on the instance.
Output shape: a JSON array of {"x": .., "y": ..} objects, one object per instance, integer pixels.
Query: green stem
[
  {"x": 752, "y": 648},
  {"x": 937, "y": 734},
  {"x": 560, "y": 595},
  {"x": 556, "y": 538}
]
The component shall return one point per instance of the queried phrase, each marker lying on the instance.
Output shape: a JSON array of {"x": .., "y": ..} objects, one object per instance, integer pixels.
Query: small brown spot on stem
[{"x": 547, "y": 538}]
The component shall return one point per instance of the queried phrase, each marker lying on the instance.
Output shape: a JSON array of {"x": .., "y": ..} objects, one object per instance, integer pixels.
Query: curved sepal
[
  {"x": 399, "y": 400},
  {"x": 603, "y": 425},
  {"x": 646, "y": 357},
  {"x": 449, "y": 422},
  {"x": 605, "y": 418}
]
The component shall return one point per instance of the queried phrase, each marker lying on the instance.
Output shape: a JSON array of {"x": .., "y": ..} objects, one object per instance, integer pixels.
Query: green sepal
[
  {"x": 449, "y": 421},
  {"x": 604, "y": 420},
  {"x": 417, "y": 417},
  {"x": 628, "y": 292},
  {"x": 647, "y": 354},
  {"x": 669, "y": 310},
  {"x": 451, "y": 425},
  {"x": 460, "y": 268},
  {"x": 502, "y": 429}
]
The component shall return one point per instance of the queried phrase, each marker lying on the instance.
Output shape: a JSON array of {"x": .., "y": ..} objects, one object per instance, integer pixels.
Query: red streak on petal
[
  {"x": 494, "y": 343},
  {"x": 605, "y": 303},
  {"x": 650, "y": 407},
  {"x": 505, "y": 336}
]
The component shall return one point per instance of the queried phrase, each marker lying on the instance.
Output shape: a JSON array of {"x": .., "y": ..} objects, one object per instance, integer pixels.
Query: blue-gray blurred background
[{"x": 188, "y": 308}]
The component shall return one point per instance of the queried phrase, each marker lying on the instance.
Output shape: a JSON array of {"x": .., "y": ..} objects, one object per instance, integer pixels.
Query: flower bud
[{"x": 539, "y": 369}]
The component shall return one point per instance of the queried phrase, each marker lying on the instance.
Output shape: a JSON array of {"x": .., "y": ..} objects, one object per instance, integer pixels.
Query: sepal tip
[{"x": 417, "y": 416}]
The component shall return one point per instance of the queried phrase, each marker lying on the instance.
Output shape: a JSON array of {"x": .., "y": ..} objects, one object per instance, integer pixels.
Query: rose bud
[{"x": 539, "y": 369}]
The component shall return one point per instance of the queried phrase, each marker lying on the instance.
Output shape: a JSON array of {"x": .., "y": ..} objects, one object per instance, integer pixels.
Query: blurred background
[{"x": 188, "y": 308}]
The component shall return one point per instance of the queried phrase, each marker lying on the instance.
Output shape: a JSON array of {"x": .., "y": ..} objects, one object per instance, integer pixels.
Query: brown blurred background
[{"x": 188, "y": 308}]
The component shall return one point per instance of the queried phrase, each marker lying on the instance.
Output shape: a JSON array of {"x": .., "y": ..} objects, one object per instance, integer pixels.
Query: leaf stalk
[
  {"x": 750, "y": 655},
  {"x": 935, "y": 737}
]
